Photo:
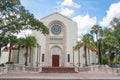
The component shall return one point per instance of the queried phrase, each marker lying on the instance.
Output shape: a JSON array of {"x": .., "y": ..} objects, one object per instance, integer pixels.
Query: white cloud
[
  {"x": 24, "y": 33},
  {"x": 114, "y": 11},
  {"x": 67, "y": 7},
  {"x": 70, "y": 3},
  {"x": 67, "y": 11},
  {"x": 84, "y": 23}
]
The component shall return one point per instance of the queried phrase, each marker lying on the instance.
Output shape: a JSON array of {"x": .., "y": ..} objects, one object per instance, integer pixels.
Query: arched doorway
[{"x": 56, "y": 53}]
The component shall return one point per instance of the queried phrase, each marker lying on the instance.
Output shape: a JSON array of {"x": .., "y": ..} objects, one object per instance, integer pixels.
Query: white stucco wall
[{"x": 4, "y": 57}]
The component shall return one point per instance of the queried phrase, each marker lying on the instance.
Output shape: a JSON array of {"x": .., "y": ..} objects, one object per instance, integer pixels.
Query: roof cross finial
[{"x": 56, "y": 9}]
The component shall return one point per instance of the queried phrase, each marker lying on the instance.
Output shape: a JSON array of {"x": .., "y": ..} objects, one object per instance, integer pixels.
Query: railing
[
  {"x": 17, "y": 68},
  {"x": 3, "y": 70},
  {"x": 100, "y": 68},
  {"x": 96, "y": 68}
]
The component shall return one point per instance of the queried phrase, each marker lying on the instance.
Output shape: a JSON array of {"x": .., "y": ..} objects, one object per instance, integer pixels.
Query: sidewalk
[{"x": 60, "y": 76}]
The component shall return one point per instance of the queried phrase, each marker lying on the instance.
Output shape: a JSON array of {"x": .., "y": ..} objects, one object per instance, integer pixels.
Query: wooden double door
[{"x": 55, "y": 60}]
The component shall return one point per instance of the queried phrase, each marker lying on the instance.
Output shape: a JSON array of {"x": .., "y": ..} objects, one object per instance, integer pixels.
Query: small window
[
  {"x": 43, "y": 57},
  {"x": 68, "y": 57}
]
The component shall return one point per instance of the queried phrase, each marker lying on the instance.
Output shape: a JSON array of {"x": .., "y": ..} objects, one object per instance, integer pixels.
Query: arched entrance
[{"x": 56, "y": 53}]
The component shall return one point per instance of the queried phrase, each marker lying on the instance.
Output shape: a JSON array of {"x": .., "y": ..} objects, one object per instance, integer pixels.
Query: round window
[{"x": 56, "y": 29}]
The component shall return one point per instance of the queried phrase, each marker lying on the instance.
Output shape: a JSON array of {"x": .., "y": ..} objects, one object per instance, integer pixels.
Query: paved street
[{"x": 60, "y": 76}]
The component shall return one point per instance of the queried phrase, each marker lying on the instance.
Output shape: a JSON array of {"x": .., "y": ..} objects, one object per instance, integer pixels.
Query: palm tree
[
  {"x": 95, "y": 30},
  {"x": 77, "y": 47},
  {"x": 85, "y": 45},
  {"x": 12, "y": 40},
  {"x": 90, "y": 44},
  {"x": 19, "y": 43},
  {"x": 87, "y": 42},
  {"x": 29, "y": 41}
]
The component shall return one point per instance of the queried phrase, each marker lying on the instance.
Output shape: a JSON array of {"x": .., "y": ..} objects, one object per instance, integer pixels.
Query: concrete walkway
[{"x": 58, "y": 76}]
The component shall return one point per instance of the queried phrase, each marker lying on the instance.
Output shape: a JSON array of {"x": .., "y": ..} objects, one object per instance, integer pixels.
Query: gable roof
[{"x": 58, "y": 14}]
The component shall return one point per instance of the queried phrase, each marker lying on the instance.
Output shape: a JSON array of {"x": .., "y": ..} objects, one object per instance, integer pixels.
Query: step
[
  {"x": 59, "y": 79},
  {"x": 58, "y": 70}
]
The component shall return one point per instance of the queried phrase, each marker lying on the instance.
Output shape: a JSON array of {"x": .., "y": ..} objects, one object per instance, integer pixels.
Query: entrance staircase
[{"x": 58, "y": 70}]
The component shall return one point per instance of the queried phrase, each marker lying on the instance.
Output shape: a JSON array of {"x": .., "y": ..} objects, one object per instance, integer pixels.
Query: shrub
[
  {"x": 104, "y": 59},
  {"x": 9, "y": 62},
  {"x": 2, "y": 65},
  {"x": 94, "y": 63}
]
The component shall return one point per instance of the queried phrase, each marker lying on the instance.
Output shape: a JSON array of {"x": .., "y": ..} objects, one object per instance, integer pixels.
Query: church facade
[{"x": 56, "y": 48}]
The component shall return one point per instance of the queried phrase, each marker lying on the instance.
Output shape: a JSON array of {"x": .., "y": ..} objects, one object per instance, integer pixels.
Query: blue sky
[{"x": 85, "y": 12}]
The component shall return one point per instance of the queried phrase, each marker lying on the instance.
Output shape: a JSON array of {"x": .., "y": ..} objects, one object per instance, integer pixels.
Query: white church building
[{"x": 56, "y": 48}]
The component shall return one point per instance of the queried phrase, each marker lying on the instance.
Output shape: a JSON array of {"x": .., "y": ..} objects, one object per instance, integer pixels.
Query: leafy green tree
[
  {"x": 3, "y": 42},
  {"x": 110, "y": 41},
  {"x": 105, "y": 59},
  {"x": 115, "y": 21},
  {"x": 14, "y": 18}
]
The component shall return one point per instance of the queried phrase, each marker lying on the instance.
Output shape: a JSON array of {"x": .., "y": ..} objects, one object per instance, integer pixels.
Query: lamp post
[
  {"x": 37, "y": 55},
  {"x": 79, "y": 57},
  {"x": 73, "y": 55}
]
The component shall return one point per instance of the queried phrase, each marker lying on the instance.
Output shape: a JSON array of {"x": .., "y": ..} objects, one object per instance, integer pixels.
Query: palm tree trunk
[
  {"x": 99, "y": 51},
  {"x": 89, "y": 55},
  {"x": 10, "y": 52},
  {"x": 97, "y": 48},
  {"x": 85, "y": 56},
  {"x": 109, "y": 61},
  {"x": 26, "y": 56},
  {"x": 30, "y": 55}
]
